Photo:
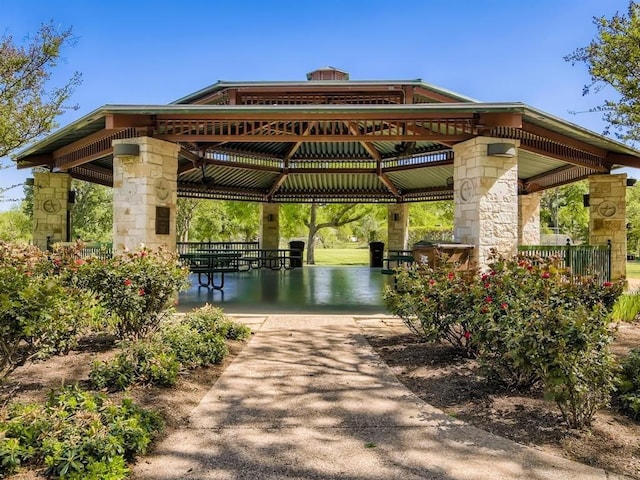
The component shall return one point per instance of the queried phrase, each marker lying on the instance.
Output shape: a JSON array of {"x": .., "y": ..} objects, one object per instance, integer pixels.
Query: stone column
[
  {"x": 486, "y": 196},
  {"x": 144, "y": 193},
  {"x": 397, "y": 226},
  {"x": 529, "y": 219},
  {"x": 50, "y": 208},
  {"x": 607, "y": 218},
  {"x": 270, "y": 229}
]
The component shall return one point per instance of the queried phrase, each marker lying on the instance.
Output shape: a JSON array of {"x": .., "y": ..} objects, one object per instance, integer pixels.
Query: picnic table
[{"x": 209, "y": 263}]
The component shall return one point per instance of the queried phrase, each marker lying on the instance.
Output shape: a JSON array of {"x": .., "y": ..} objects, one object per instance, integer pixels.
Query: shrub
[
  {"x": 75, "y": 435},
  {"x": 39, "y": 316},
  {"x": 434, "y": 302},
  {"x": 193, "y": 348},
  {"x": 212, "y": 319},
  {"x": 535, "y": 323},
  {"x": 143, "y": 362},
  {"x": 628, "y": 383},
  {"x": 137, "y": 288}
]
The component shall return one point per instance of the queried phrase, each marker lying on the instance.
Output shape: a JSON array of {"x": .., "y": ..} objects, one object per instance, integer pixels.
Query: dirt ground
[{"x": 432, "y": 371}]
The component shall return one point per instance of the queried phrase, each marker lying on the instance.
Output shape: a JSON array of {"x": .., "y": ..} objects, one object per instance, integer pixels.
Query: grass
[
  {"x": 341, "y": 256},
  {"x": 633, "y": 269}
]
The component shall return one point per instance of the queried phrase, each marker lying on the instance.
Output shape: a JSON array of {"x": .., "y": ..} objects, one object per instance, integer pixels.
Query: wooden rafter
[{"x": 85, "y": 150}]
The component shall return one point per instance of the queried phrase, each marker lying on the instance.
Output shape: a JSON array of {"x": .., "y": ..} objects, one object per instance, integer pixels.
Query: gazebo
[{"x": 332, "y": 139}]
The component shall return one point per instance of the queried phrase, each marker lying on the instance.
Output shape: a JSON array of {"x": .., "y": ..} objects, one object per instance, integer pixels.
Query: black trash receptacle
[
  {"x": 376, "y": 254},
  {"x": 297, "y": 251}
]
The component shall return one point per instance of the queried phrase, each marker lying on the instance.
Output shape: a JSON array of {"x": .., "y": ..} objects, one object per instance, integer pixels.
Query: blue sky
[{"x": 143, "y": 52}]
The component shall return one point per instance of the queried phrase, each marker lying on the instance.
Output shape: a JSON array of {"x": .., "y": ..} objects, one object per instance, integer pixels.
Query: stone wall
[
  {"x": 50, "y": 207},
  {"x": 486, "y": 198},
  {"x": 607, "y": 218},
  {"x": 145, "y": 195}
]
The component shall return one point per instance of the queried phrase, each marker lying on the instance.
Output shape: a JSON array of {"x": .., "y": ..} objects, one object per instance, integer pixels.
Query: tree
[
  {"x": 186, "y": 210},
  {"x": 329, "y": 216},
  {"x": 15, "y": 226},
  {"x": 613, "y": 58},
  {"x": 562, "y": 211},
  {"x": 92, "y": 213},
  {"x": 28, "y": 103}
]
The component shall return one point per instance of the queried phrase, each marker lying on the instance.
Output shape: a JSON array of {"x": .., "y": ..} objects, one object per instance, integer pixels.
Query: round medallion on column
[
  {"x": 607, "y": 209},
  {"x": 466, "y": 190},
  {"x": 162, "y": 189},
  {"x": 51, "y": 205}
]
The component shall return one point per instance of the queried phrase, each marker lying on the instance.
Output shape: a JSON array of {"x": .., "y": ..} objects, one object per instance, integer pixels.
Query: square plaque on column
[{"x": 163, "y": 217}]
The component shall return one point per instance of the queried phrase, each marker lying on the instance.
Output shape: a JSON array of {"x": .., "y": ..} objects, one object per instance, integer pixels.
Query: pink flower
[
  {"x": 488, "y": 299},
  {"x": 79, "y": 261},
  {"x": 451, "y": 275},
  {"x": 546, "y": 275},
  {"x": 504, "y": 305},
  {"x": 143, "y": 253},
  {"x": 432, "y": 282},
  {"x": 127, "y": 282},
  {"x": 484, "y": 277},
  {"x": 141, "y": 292},
  {"x": 487, "y": 285},
  {"x": 607, "y": 284},
  {"x": 467, "y": 334}
]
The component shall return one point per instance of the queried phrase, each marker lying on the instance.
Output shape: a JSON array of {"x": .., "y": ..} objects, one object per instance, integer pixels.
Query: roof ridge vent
[{"x": 327, "y": 73}]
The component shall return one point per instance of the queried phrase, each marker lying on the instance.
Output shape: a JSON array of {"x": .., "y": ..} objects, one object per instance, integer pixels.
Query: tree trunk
[{"x": 313, "y": 229}]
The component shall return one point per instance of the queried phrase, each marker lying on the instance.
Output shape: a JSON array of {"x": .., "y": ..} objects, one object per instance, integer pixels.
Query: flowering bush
[
  {"x": 435, "y": 303},
  {"x": 137, "y": 288},
  {"x": 39, "y": 315},
  {"x": 529, "y": 322}
]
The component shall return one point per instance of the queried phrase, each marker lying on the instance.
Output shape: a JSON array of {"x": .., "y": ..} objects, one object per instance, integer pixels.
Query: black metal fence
[
  {"x": 195, "y": 247},
  {"x": 580, "y": 259}
]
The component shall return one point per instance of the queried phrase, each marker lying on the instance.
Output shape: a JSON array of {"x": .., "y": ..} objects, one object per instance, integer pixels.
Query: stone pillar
[
  {"x": 397, "y": 226},
  {"x": 269, "y": 226},
  {"x": 144, "y": 193},
  {"x": 607, "y": 218},
  {"x": 50, "y": 208},
  {"x": 486, "y": 196},
  {"x": 529, "y": 219}
]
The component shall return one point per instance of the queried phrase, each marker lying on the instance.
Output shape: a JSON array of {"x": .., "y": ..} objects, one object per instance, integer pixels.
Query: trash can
[
  {"x": 297, "y": 250},
  {"x": 376, "y": 254},
  {"x": 431, "y": 253}
]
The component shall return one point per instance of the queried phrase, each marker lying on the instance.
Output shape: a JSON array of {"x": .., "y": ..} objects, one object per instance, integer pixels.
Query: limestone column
[
  {"x": 50, "y": 208},
  {"x": 529, "y": 219},
  {"x": 607, "y": 218},
  {"x": 485, "y": 175},
  {"x": 270, "y": 228},
  {"x": 397, "y": 226},
  {"x": 145, "y": 172}
]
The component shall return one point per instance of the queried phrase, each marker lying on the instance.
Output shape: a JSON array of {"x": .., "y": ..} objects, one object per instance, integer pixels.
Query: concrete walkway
[{"x": 308, "y": 398}]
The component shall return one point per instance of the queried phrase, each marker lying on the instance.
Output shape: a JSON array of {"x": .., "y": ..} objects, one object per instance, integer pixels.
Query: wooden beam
[
  {"x": 491, "y": 120},
  {"x": 294, "y": 148},
  {"x": 120, "y": 120},
  {"x": 563, "y": 139},
  {"x": 386, "y": 181},
  {"x": 198, "y": 187},
  {"x": 317, "y": 115},
  {"x": 413, "y": 166},
  {"x": 36, "y": 161},
  {"x": 622, "y": 159},
  {"x": 576, "y": 162},
  {"x": 434, "y": 137},
  {"x": 232, "y": 164},
  {"x": 276, "y": 185}
]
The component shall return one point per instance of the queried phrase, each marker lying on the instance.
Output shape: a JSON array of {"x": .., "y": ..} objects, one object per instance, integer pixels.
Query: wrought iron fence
[{"x": 582, "y": 260}]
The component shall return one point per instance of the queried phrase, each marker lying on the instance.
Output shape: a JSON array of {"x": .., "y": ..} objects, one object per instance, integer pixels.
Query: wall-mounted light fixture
[
  {"x": 30, "y": 182},
  {"x": 129, "y": 149},
  {"x": 271, "y": 217},
  {"x": 631, "y": 182},
  {"x": 501, "y": 150},
  {"x": 72, "y": 197},
  {"x": 585, "y": 200},
  {"x": 396, "y": 217}
]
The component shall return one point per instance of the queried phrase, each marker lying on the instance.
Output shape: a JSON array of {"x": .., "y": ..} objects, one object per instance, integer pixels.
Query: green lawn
[
  {"x": 341, "y": 256},
  {"x": 633, "y": 269}
]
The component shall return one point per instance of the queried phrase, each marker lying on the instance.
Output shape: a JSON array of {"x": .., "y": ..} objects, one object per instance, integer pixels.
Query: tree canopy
[
  {"x": 613, "y": 59},
  {"x": 28, "y": 103}
]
